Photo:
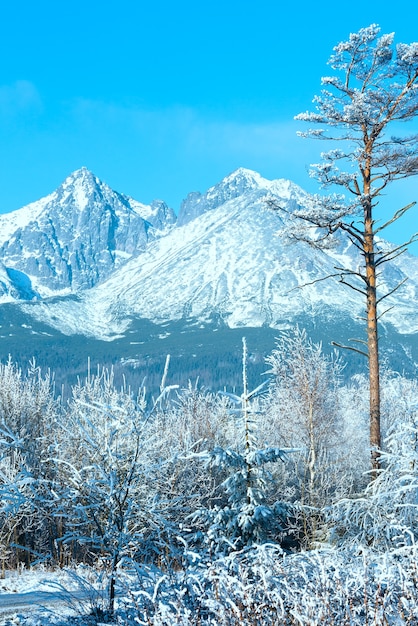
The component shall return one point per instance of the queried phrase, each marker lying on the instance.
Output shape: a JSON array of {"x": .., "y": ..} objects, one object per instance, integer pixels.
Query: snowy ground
[
  {"x": 261, "y": 586},
  {"x": 39, "y": 596}
]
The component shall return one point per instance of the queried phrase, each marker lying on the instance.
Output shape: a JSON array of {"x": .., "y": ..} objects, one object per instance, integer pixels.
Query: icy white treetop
[{"x": 373, "y": 79}]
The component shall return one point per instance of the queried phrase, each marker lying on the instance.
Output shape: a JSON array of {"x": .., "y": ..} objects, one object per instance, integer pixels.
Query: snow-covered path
[
  {"x": 11, "y": 603},
  {"x": 17, "y": 603},
  {"x": 27, "y": 594}
]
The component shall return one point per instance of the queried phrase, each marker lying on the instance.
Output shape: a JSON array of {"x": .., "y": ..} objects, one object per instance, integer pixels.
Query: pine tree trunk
[
  {"x": 372, "y": 338},
  {"x": 374, "y": 377}
]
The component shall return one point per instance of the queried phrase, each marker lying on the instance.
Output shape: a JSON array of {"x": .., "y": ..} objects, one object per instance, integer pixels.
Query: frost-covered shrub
[
  {"x": 200, "y": 418},
  {"x": 194, "y": 421},
  {"x": 304, "y": 410},
  {"x": 386, "y": 515},
  {"x": 28, "y": 417},
  {"x": 263, "y": 585},
  {"x": 109, "y": 474}
]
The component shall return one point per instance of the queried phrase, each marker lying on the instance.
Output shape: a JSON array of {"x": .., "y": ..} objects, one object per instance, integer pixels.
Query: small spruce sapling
[{"x": 247, "y": 517}]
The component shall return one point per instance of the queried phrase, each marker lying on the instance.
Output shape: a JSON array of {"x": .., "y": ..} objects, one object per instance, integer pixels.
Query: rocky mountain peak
[
  {"x": 82, "y": 189},
  {"x": 242, "y": 179},
  {"x": 83, "y": 176},
  {"x": 241, "y": 182},
  {"x": 74, "y": 238}
]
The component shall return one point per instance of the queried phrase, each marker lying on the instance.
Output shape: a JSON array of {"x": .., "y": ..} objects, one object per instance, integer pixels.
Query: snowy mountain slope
[
  {"x": 15, "y": 285},
  {"x": 226, "y": 260},
  {"x": 76, "y": 236}
]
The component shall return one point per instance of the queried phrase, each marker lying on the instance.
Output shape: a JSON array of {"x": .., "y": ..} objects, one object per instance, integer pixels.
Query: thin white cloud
[
  {"x": 20, "y": 97},
  {"x": 267, "y": 139},
  {"x": 192, "y": 132}
]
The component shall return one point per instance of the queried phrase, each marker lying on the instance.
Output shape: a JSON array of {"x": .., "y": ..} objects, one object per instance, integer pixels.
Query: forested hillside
[{"x": 237, "y": 491}]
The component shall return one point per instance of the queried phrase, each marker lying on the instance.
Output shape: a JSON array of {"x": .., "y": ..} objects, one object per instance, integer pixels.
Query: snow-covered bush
[
  {"x": 110, "y": 491},
  {"x": 304, "y": 411},
  {"x": 263, "y": 585},
  {"x": 386, "y": 514},
  {"x": 28, "y": 417}
]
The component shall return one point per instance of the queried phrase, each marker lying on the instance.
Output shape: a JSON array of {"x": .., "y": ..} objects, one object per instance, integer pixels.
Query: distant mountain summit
[
  {"x": 241, "y": 182},
  {"x": 77, "y": 236}
]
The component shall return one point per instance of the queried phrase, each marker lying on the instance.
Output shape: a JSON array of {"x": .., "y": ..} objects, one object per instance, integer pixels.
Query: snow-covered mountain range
[{"x": 112, "y": 259}]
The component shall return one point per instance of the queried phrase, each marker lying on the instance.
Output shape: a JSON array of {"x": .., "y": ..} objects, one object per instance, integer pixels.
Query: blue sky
[{"x": 160, "y": 99}]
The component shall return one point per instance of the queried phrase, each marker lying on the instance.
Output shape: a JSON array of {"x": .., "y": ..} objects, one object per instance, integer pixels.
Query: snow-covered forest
[{"x": 217, "y": 508}]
